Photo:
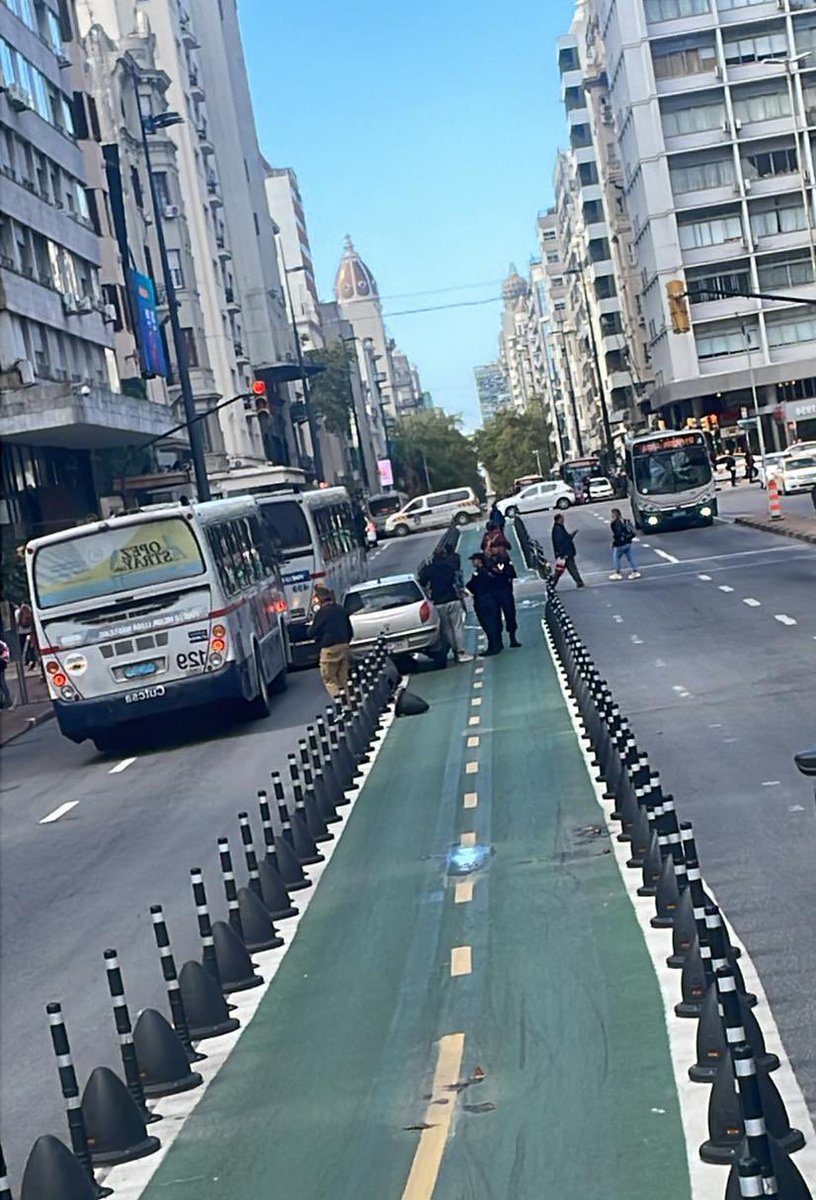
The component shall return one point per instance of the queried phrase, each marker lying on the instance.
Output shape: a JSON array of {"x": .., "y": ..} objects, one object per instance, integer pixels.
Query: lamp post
[
  {"x": 317, "y": 457},
  {"x": 757, "y": 417},
  {"x": 150, "y": 124},
  {"x": 573, "y": 403},
  {"x": 607, "y": 431}
]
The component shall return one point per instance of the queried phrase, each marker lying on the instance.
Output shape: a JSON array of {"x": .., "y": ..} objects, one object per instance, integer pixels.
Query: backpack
[{"x": 628, "y": 532}]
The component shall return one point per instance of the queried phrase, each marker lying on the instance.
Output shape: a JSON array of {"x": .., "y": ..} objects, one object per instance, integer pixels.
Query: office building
[{"x": 492, "y": 390}]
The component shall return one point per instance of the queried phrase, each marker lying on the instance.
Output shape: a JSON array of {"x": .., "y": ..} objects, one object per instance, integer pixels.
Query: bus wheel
[
  {"x": 402, "y": 530},
  {"x": 259, "y": 707}
]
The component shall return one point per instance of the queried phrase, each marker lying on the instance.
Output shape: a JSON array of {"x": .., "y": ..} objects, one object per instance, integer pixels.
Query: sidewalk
[
  {"x": 14, "y": 721},
  {"x": 803, "y": 529},
  {"x": 435, "y": 1031}
]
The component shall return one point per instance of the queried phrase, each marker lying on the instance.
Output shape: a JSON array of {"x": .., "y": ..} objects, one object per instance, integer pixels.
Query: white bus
[
  {"x": 317, "y": 536},
  {"x": 150, "y": 612},
  {"x": 671, "y": 481}
]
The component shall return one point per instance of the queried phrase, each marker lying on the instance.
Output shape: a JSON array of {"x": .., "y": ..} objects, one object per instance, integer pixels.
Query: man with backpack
[{"x": 623, "y": 536}]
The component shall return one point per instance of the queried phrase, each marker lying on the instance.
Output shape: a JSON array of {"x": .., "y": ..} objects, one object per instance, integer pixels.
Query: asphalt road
[
  {"x": 73, "y": 887},
  {"x": 711, "y": 654}
]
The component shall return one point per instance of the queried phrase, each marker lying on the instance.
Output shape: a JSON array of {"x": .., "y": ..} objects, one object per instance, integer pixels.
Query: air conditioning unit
[
  {"x": 109, "y": 314},
  {"x": 746, "y": 183},
  {"x": 63, "y": 59},
  {"x": 171, "y": 210},
  {"x": 17, "y": 98},
  {"x": 726, "y": 126},
  {"x": 85, "y": 304},
  {"x": 70, "y": 302},
  {"x": 738, "y": 124},
  {"x": 25, "y": 369}
]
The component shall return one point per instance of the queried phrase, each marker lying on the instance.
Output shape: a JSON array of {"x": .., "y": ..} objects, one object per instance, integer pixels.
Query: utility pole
[
  {"x": 537, "y": 454},
  {"x": 317, "y": 457},
  {"x": 151, "y": 125},
  {"x": 573, "y": 403},
  {"x": 607, "y": 430}
]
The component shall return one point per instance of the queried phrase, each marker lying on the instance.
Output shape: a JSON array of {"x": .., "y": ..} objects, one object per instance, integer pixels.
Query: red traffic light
[{"x": 258, "y": 387}]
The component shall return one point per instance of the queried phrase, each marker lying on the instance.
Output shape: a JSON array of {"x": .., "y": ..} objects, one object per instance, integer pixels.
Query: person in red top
[{"x": 494, "y": 542}]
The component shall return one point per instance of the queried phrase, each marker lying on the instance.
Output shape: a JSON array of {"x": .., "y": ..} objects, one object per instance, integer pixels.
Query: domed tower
[
  {"x": 354, "y": 281},
  {"x": 358, "y": 300},
  {"x": 515, "y": 287}
]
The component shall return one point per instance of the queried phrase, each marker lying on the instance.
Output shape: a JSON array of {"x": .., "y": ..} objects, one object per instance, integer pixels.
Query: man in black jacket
[
  {"x": 504, "y": 573},
  {"x": 564, "y": 547},
  {"x": 331, "y": 629},
  {"x": 483, "y": 587},
  {"x": 440, "y": 579}
]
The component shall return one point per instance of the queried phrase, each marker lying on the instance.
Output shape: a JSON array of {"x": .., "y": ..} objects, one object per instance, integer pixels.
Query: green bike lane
[{"x": 497, "y": 1034}]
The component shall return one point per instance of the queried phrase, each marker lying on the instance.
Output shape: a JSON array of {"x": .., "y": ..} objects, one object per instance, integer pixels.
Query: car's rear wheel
[
  {"x": 562, "y": 503},
  {"x": 461, "y": 519},
  {"x": 402, "y": 530}
]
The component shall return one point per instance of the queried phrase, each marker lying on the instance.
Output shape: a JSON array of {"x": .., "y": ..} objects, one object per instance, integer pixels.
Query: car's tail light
[{"x": 424, "y": 611}]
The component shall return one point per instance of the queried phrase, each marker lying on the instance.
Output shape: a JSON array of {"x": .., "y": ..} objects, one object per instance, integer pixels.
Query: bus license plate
[
  {"x": 148, "y": 693},
  {"x": 137, "y": 670}
]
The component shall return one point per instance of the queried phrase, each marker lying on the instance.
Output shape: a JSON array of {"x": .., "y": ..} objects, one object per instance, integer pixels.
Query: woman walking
[{"x": 623, "y": 535}]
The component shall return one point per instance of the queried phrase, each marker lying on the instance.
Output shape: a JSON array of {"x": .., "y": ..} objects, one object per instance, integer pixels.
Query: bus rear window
[
  {"x": 287, "y": 528},
  {"x": 116, "y": 560}
]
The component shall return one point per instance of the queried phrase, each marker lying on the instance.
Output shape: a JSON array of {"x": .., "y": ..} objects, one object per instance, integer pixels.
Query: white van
[{"x": 437, "y": 510}]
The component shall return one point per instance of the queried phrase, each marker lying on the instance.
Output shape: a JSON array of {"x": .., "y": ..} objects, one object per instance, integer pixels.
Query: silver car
[{"x": 394, "y": 608}]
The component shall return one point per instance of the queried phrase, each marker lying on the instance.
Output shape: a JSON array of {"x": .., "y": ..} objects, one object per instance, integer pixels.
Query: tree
[
  {"x": 507, "y": 446},
  {"x": 431, "y": 453},
  {"x": 330, "y": 391}
]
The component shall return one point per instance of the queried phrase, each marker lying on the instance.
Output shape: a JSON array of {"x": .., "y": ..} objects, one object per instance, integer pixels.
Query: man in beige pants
[{"x": 331, "y": 629}]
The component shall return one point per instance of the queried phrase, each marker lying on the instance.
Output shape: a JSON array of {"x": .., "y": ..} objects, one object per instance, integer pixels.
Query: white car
[
  {"x": 538, "y": 497},
  {"x": 772, "y": 468},
  {"x": 797, "y": 474},
  {"x": 394, "y": 608},
  {"x": 598, "y": 487}
]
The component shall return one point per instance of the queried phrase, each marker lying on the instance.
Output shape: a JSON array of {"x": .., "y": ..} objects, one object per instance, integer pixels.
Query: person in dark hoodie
[
  {"x": 563, "y": 544},
  {"x": 483, "y": 587}
]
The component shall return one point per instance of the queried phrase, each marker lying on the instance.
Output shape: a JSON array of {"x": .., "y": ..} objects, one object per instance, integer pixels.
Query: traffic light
[
  {"x": 261, "y": 398},
  {"x": 678, "y": 306}
]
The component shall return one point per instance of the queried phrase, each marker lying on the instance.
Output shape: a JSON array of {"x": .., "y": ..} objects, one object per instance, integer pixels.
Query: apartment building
[
  {"x": 492, "y": 390},
  {"x": 713, "y": 103},
  {"x": 514, "y": 351},
  {"x": 560, "y": 348},
  {"x": 64, "y": 398}
]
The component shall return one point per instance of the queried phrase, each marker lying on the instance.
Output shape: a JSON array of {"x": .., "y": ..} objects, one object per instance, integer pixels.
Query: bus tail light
[
  {"x": 59, "y": 679},
  {"x": 218, "y": 647},
  {"x": 52, "y": 668},
  {"x": 424, "y": 611}
]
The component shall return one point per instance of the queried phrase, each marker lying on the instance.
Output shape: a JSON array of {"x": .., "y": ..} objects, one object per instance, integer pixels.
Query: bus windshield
[
  {"x": 287, "y": 528},
  {"x": 111, "y": 561},
  {"x": 665, "y": 468}
]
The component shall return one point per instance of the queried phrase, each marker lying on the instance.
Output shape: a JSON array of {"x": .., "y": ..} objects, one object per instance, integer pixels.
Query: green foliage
[
  {"x": 330, "y": 391},
  {"x": 506, "y": 445},
  {"x": 433, "y": 437}
]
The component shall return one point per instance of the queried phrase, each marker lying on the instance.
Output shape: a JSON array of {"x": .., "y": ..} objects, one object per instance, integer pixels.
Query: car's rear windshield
[
  {"x": 287, "y": 528},
  {"x": 384, "y": 597},
  {"x": 115, "y": 560},
  {"x": 384, "y": 506}
]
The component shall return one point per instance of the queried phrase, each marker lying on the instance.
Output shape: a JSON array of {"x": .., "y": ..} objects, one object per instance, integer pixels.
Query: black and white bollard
[
  {"x": 230, "y": 890},
  {"x": 274, "y": 893},
  {"x": 305, "y": 842},
  {"x": 178, "y": 1014},
  {"x": 70, "y": 1094},
  {"x": 5, "y": 1182},
  {"x": 291, "y": 870},
  {"x": 257, "y": 930},
  {"x": 331, "y": 773},
  {"x": 124, "y": 1030},
  {"x": 205, "y": 933}
]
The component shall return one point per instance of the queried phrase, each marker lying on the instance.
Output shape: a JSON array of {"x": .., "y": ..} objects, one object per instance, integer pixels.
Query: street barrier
[
  {"x": 774, "y": 503},
  {"x": 747, "y": 1120},
  {"x": 107, "y": 1124}
]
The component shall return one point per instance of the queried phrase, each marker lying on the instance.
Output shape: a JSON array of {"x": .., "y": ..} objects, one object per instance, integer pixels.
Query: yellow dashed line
[
  {"x": 478, "y": 683},
  {"x": 474, "y": 721},
  {"x": 471, "y": 799},
  {"x": 461, "y": 961},
  {"x": 464, "y": 892},
  {"x": 471, "y": 768},
  {"x": 472, "y": 742},
  {"x": 467, "y": 839},
  {"x": 421, "y": 1182}
]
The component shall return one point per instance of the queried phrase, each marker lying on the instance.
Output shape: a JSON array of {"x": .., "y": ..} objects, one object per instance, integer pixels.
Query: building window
[
  {"x": 770, "y": 163},
  {"x": 174, "y": 262},
  {"x": 720, "y": 343},
  {"x": 764, "y": 106},
  {"x": 692, "y": 61},
  {"x": 784, "y": 217},
  {"x": 790, "y": 333},
  {"x": 699, "y": 176},
  {"x": 162, "y": 191},
  {"x": 673, "y": 10},
  {"x": 731, "y": 282},
  {"x": 693, "y": 118},
  {"x": 796, "y": 271},
  {"x": 713, "y": 232},
  {"x": 191, "y": 347},
  {"x": 756, "y": 48}
]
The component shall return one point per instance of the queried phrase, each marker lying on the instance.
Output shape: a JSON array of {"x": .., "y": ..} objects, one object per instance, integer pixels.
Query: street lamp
[
  {"x": 317, "y": 457},
  {"x": 757, "y": 417},
  {"x": 579, "y": 271},
  {"x": 150, "y": 124},
  {"x": 573, "y": 403}
]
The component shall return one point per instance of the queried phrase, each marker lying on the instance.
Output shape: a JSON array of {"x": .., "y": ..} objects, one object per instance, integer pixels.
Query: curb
[
  {"x": 779, "y": 529},
  {"x": 33, "y": 722}
]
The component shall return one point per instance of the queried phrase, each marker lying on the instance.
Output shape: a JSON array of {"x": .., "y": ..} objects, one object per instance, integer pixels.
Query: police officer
[
  {"x": 504, "y": 573},
  {"x": 483, "y": 587}
]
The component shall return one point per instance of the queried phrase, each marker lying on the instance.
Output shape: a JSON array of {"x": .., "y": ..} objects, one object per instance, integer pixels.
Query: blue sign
[{"x": 151, "y": 347}]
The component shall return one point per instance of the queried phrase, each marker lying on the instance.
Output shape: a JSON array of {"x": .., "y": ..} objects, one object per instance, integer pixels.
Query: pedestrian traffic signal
[
  {"x": 678, "y": 306},
  {"x": 261, "y": 398}
]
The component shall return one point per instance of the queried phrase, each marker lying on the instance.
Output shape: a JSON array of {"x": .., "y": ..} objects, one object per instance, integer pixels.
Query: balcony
[
  {"x": 196, "y": 86},
  {"x": 224, "y": 252},
  {"x": 232, "y": 303},
  {"x": 240, "y": 354},
  {"x": 214, "y": 194},
  {"x": 204, "y": 141},
  {"x": 720, "y": 252},
  {"x": 188, "y": 36},
  {"x": 59, "y": 414}
]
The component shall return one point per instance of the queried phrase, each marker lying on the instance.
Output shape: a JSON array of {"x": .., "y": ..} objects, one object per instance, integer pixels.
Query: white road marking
[
  {"x": 772, "y": 783},
  {"x": 476, "y": 701},
  {"x": 474, "y": 720},
  {"x": 725, "y": 588},
  {"x": 618, "y": 618},
  {"x": 705, "y": 578},
  {"x": 796, "y": 808},
  {"x": 751, "y": 602},
  {"x": 659, "y": 662},
  {"x": 59, "y": 812},
  {"x": 784, "y": 619},
  {"x": 668, "y": 557},
  {"x": 636, "y": 641},
  {"x": 122, "y": 766}
]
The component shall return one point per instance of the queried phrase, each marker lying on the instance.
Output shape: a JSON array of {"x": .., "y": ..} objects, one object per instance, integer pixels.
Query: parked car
[
  {"x": 797, "y": 474},
  {"x": 394, "y": 608},
  {"x": 598, "y": 487},
  {"x": 538, "y": 497},
  {"x": 436, "y": 510},
  {"x": 798, "y": 448},
  {"x": 773, "y": 465}
]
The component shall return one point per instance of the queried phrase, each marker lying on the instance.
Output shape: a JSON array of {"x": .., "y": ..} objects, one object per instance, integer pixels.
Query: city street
[
  {"x": 711, "y": 654},
  {"x": 131, "y": 828}
]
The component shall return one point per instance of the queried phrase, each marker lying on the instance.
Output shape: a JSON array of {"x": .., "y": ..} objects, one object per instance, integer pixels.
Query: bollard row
[
  {"x": 748, "y": 1125},
  {"x": 108, "y": 1123}
]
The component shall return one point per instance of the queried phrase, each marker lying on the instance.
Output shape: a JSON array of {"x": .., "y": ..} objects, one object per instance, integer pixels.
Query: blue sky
[{"x": 428, "y": 132}]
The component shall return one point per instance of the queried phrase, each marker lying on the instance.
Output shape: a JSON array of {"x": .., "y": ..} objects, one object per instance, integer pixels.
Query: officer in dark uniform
[
  {"x": 483, "y": 587},
  {"x": 504, "y": 573}
]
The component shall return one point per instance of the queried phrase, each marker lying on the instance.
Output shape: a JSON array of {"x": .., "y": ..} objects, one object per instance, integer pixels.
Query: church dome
[
  {"x": 514, "y": 287},
  {"x": 354, "y": 280}
]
